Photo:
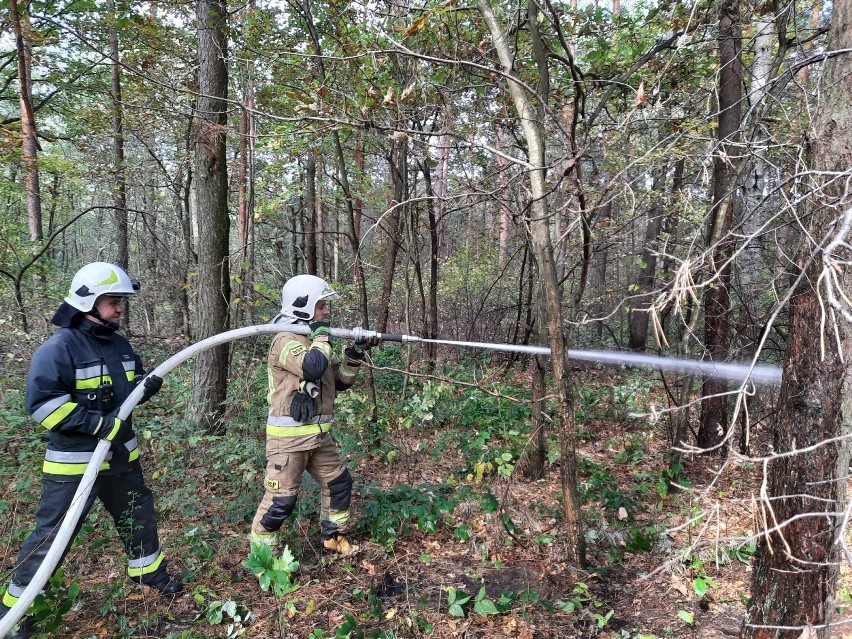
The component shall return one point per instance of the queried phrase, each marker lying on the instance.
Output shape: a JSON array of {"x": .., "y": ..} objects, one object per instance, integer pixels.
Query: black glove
[
  {"x": 111, "y": 427},
  {"x": 152, "y": 384},
  {"x": 318, "y": 329},
  {"x": 303, "y": 408},
  {"x": 365, "y": 344},
  {"x": 359, "y": 348}
]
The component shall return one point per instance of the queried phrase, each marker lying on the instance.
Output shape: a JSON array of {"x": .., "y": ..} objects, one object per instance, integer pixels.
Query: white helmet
[
  {"x": 300, "y": 295},
  {"x": 96, "y": 279}
]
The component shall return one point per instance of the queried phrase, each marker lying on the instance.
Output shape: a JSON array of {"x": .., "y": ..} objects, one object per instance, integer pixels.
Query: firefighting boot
[
  {"x": 340, "y": 545},
  {"x": 25, "y": 628},
  {"x": 165, "y": 585}
]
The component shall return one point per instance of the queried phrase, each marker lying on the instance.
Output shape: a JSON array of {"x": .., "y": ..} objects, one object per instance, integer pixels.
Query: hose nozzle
[{"x": 362, "y": 334}]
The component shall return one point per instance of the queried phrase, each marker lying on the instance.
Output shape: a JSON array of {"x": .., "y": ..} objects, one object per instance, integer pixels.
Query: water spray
[
  {"x": 756, "y": 373},
  {"x": 740, "y": 372}
]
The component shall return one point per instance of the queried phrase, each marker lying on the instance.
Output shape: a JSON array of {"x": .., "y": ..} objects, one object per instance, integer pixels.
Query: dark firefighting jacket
[{"x": 77, "y": 377}]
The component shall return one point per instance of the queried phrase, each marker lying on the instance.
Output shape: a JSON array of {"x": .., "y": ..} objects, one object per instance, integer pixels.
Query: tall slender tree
[
  {"x": 120, "y": 187},
  {"x": 717, "y": 301},
  {"x": 29, "y": 135},
  {"x": 211, "y": 202},
  {"x": 539, "y": 229}
]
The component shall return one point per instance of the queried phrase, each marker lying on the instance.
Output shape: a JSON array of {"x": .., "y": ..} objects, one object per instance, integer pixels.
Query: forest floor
[{"x": 650, "y": 575}]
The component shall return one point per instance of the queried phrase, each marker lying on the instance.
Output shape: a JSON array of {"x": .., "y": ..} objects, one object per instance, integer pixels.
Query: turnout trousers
[
  {"x": 126, "y": 498},
  {"x": 284, "y": 471}
]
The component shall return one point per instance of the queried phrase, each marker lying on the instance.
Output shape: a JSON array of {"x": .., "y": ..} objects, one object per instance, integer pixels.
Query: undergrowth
[{"x": 207, "y": 488}]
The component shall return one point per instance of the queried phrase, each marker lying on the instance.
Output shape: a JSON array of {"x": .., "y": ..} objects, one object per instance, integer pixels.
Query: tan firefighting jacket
[{"x": 284, "y": 367}]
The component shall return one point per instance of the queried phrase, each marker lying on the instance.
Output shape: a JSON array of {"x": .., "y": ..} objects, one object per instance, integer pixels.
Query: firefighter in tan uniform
[{"x": 304, "y": 378}]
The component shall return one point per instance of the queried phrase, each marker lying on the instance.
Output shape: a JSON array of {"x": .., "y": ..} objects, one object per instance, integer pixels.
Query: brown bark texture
[
  {"x": 211, "y": 192},
  {"x": 29, "y": 138},
  {"x": 717, "y": 301},
  {"x": 311, "y": 212},
  {"x": 398, "y": 163},
  {"x": 795, "y": 574}
]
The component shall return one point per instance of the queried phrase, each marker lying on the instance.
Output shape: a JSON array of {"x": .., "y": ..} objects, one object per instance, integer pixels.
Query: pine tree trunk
[
  {"x": 29, "y": 139},
  {"x": 647, "y": 271},
  {"x": 398, "y": 165},
  {"x": 311, "y": 212},
  {"x": 211, "y": 201},
  {"x": 796, "y": 570}
]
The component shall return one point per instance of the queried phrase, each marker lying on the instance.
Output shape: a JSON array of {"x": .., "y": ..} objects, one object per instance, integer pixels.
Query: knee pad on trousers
[
  {"x": 280, "y": 509},
  {"x": 340, "y": 490}
]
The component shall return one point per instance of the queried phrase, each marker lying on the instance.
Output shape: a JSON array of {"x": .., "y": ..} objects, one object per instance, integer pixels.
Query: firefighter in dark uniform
[{"x": 77, "y": 382}]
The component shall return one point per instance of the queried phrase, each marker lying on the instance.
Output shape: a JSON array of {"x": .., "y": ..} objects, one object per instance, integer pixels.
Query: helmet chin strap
[{"x": 96, "y": 315}]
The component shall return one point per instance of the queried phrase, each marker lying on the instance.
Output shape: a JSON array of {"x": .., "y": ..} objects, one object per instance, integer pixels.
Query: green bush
[{"x": 398, "y": 511}]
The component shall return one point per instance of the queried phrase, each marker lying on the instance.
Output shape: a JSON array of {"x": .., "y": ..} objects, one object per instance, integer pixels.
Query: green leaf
[
  {"x": 485, "y": 607},
  {"x": 456, "y": 610},
  {"x": 686, "y": 616}
]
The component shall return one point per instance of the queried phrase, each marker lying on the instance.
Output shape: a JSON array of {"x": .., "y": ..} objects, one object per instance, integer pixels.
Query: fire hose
[{"x": 756, "y": 373}]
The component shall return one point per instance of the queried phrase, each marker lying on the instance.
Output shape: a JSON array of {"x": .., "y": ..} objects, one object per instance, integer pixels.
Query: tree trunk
[
  {"x": 311, "y": 212},
  {"x": 122, "y": 257},
  {"x": 717, "y": 301},
  {"x": 751, "y": 264},
  {"x": 354, "y": 222},
  {"x": 641, "y": 303},
  {"x": 398, "y": 165},
  {"x": 432, "y": 299},
  {"x": 505, "y": 214},
  {"x": 29, "y": 139},
  {"x": 444, "y": 144},
  {"x": 796, "y": 569},
  {"x": 244, "y": 258},
  {"x": 535, "y": 454},
  {"x": 211, "y": 200},
  {"x": 320, "y": 213},
  {"x": 552, "y": 299}
]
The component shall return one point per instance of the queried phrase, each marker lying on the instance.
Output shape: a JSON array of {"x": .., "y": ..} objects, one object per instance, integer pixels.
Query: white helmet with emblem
[
  {"x": 300, "y": 295},
  {"x": 96, "y": 279}
]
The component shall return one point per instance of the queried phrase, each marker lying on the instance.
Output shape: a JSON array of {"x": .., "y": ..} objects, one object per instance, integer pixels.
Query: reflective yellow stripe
[
  {"x": 9, "y": 600},
  {"x": 338, "y": 518},
  {"x": 115, "y": 429},
  {"x": 58, "y": 415},
  {"x": 293, "y": 347},
  {"x": 92, "y": 382},
  {"x": 131, "y": 375},
  {"x": 286, "y": 420},
  {"x": 324, "y": 347},
  {"x": 56, "y": 468},
  {"x": 145, "y": 570},
  {"x": 267, "y": 539},
  {"x": 134, "y": 455},
  {"x": 347, "y": 373},
  {"x": 295, "y": 431}
]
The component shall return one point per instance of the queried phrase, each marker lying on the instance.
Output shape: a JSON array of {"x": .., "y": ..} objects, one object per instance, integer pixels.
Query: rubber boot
[
  {"x": 25, "y": 628},
  {"x": 165, "y": 585}
]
